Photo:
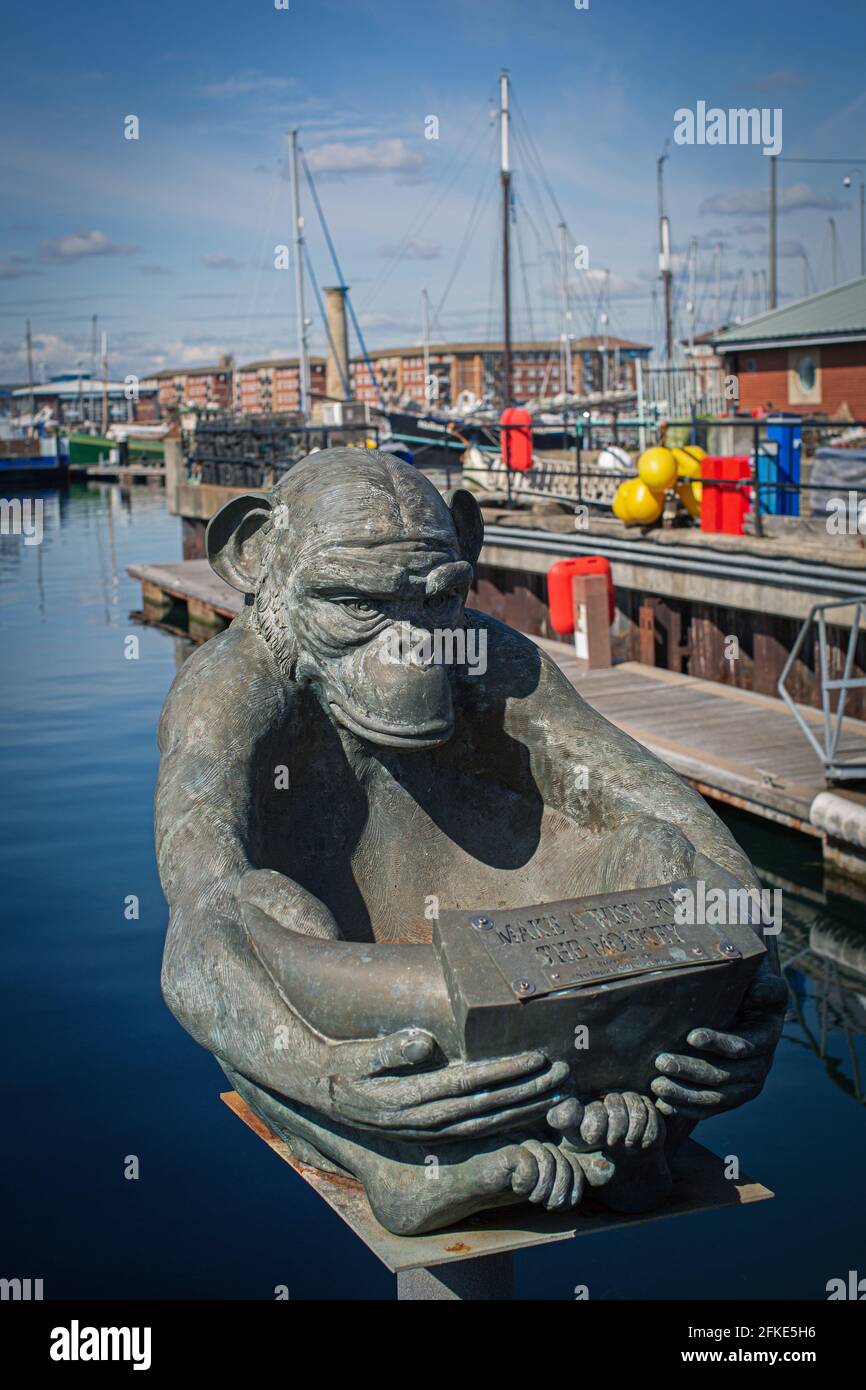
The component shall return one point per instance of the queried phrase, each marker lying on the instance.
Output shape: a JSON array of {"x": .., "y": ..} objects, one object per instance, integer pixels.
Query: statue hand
[
  {"x": 371, "y": 1085},
  {"x": 619, "y": 1144},
  {"x": 623, "y": 1120},
  {"x": 733, "y": 1066}
]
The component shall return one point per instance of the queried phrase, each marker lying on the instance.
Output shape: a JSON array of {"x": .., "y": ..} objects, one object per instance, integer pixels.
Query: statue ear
[
  {"x": 233, "y": 541},
  {"x": 468, "y": 523}
]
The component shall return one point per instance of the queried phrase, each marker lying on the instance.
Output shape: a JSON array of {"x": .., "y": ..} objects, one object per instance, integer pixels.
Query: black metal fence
[
  {"x": 772, "y": 443},
  {"x": 254, "y": 451}
]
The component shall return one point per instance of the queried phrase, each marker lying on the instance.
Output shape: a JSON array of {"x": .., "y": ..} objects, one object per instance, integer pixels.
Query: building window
[
  {"x": 806, "y": 373},
  {"x": 751, "y": 364}
]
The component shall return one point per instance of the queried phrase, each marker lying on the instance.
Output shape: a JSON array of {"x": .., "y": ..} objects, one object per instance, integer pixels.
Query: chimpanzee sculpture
[{"x": 319, "y": 803}]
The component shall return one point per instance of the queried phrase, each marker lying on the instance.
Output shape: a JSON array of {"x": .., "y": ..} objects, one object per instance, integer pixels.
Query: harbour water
[{"x": 97, "y": 1072}]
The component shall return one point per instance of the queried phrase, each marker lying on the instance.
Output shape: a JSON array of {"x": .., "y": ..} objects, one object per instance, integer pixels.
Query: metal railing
[{"x": 835, "y": 766}]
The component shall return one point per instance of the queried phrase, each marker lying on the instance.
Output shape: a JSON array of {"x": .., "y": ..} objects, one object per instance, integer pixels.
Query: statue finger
[
  {"x": 457, "y": 1080},
  {"x": 567, "y": 1115},
  {"x": 408, "y": 1047},
  {"x": 577, "y": 1176},
  {"x": 696, "y": 1107},
  {"x": 617, "y": 1116},
  {"x": 593, "y": 1128},
  {"x": 409, "y": 1126},
  {"x": 636, "y": 1117},
  {"x": 691, "y": 1069},
  {"x": 524, "y": 1169},
  {"x": 737, "y": 1045},
  {"x": 459, "y": 1107},
  {"x": 561, "y": 1190},
  {"x": 468, "y": 1078},
  {"x": 547, "y": 1170},
  {"x": 678, "y": 1095},
  {"x": 654, "y": 1124}
]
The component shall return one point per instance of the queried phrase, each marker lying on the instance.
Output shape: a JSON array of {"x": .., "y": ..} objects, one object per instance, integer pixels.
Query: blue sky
[{"x": 170, "y": 238}]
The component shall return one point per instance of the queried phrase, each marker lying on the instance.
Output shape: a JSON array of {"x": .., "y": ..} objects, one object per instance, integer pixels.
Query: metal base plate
[{"x": 699, "y": 1185}]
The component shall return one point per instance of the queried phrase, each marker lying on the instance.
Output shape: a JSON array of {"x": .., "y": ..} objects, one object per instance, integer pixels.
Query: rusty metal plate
[{"x": 586, "y": 942}]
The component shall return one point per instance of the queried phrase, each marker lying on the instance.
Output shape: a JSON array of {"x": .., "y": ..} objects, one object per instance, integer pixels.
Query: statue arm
[
  {"x": 650, "y": 819},
  {"x": 603, "y": 779},
  {"x": 219, "y": 707}
]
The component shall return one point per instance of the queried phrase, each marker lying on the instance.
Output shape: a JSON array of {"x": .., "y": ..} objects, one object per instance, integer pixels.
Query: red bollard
[
  {"x": 559, "y": 593},
  {"x": 517, "y": 442}
]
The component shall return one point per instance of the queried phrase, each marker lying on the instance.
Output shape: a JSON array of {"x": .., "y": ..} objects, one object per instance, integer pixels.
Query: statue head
[{"x": 349, "y": 559}]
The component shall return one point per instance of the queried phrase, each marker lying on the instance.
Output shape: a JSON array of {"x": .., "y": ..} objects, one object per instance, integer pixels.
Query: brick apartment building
[
  {"x": 477, "y": 367},
  {"x": 809, "y": 357},
  {"x": 273, "y": 386},
  {"x": 199, "y": 387}
]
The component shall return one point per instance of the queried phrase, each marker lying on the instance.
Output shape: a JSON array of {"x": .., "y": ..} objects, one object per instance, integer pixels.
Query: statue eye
[{"x": 360, "y": 607}]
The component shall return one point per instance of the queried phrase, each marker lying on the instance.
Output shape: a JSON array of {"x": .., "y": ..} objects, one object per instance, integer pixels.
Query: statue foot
[
  {"x": 409, "y": 1199},
  {"x": 413, "y": 1187}
]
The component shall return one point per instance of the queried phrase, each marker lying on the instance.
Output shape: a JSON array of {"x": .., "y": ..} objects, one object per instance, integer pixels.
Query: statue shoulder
[
  {"x": 233, "y": 679},
  {"x": 517, "y": 664}
]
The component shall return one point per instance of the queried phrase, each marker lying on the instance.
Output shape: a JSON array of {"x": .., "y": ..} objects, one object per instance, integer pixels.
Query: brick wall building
[
  {"x": 199, "y": 387},
  {"x": 273, "y": 386},
  {"x": 809, "y": 357},
  {"x": 477, "y": 367}
]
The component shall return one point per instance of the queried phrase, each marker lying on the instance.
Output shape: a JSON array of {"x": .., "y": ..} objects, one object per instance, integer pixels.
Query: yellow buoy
[
  {"x": 689, "y": 466},
  {"x": 620, "y": 503},
  {"x": 643, "y": 504},
  {"x": 657, "y": 468},
  {"x": 690, "y": 498}
]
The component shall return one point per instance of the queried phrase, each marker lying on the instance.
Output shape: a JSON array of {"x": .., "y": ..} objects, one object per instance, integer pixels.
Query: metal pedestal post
[{"x": 490, "y": 1277}]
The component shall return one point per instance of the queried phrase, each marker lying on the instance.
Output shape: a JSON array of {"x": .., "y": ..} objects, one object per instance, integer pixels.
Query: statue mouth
[{"x": 423, "y": 736}]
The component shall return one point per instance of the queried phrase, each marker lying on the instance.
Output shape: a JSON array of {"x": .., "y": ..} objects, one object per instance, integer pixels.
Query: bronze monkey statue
[{"x": 319, "y": 802}]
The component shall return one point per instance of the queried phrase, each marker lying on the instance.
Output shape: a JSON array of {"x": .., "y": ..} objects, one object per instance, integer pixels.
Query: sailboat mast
[
  {"x": 298, "y": 248},
  {"x": 425, "y": 338},
  {"x": 665, "y": 258},
  {"x": 505, "y": 176},
  {"x": 30, "y": 373},
  {"x": 105, "y": 383},
  {"x": 566, "y": 376}
]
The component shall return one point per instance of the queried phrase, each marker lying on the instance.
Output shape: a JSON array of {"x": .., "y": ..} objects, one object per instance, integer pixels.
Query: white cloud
[
  {"x": 416, "y": 249},
  {"x": 377, "y": 157},
  {"x": 245, "y": 83},
  {"x": 75, "y": 246},
  {"x": 757, "y": 200},
  {"x": 15, "y": 268},
  {"x": 215, "y": 260}
]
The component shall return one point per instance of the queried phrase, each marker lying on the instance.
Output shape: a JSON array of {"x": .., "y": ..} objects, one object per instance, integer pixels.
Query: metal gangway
[{"x": 839, "y": 765}]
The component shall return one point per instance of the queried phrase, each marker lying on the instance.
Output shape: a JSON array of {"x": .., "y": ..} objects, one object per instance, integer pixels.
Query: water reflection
[{"x": 824, "y": 963}]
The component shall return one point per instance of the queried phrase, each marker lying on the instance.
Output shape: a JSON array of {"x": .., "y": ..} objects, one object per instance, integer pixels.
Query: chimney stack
[{"x": 337, "y": 386}]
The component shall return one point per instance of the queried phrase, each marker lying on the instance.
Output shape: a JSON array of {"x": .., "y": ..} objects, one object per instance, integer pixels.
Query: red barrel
[
  {"x": 559, "y": 594},
  {"x": 516, "y": 442}
]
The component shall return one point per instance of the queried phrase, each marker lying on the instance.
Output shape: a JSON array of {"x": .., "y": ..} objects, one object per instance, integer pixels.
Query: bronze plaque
[{"x": 539, "y": 951}]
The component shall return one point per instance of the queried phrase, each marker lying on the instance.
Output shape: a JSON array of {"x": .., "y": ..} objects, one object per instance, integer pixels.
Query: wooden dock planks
[{"x": 734, "y": 745}]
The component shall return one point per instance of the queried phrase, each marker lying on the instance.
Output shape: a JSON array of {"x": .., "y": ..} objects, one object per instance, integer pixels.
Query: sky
[{"x": 170, "y": 238}]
